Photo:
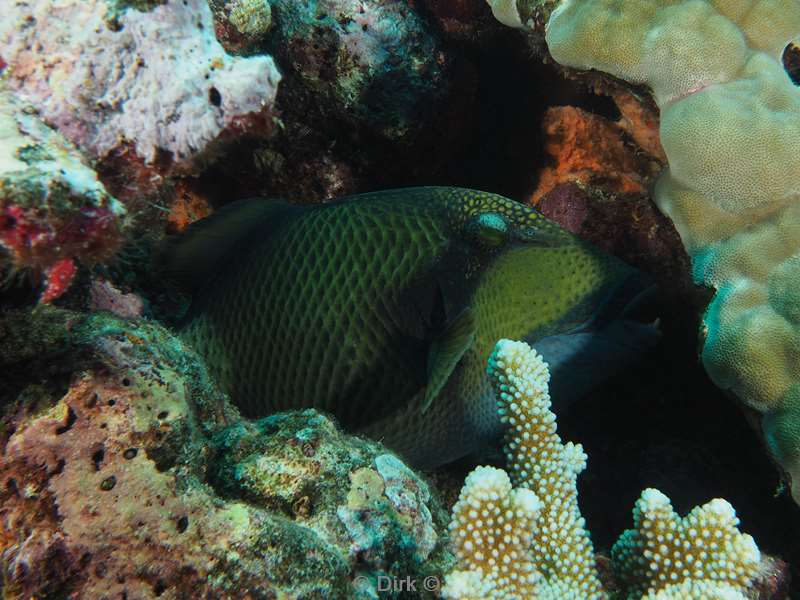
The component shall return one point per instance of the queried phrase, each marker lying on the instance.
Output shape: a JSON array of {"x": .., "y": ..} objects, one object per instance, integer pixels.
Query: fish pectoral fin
[
  {"x": 445, "y": 352},
  {"x": 421, "y": 308}
]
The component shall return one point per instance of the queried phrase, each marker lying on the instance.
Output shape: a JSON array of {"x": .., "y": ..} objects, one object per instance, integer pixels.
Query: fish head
[
  {"x": 545, "y": 286},
  {"x": 535, "y": 278}
]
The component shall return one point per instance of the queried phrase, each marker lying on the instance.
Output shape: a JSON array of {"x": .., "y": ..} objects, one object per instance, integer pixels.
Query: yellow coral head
[{"x": 730, "y": 122}]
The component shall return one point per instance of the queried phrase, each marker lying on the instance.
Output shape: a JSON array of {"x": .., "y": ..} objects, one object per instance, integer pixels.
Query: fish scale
[{"x": 382, "y": 308}]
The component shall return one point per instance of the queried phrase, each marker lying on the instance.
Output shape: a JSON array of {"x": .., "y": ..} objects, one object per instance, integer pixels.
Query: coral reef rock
[
  {"x": 156, "y": 79},
  {"x": 241, "y": 24},
  {"x": 134, "y": 477},
  {"x": 53, "y": 209},
  {"x": 529, "y": 15},
  {"x": 592, "y": 150},
  {"x": 104, "y": 295},
  {"x": 374, "y": 63},
  {"x": 300, "y": 465},
  {"x": 461, "y": 19}
]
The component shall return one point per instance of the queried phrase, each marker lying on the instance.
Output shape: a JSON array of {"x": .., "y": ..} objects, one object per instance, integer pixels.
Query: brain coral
[{"x": 730, "y": 121}]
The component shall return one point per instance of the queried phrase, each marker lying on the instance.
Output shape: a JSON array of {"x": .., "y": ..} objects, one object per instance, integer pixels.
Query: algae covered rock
[
  {"x": 53, "y": 209},
  {"x": 241, "y": 24},
  {"x": 128, "y": 473},
  {"x": 349, "y": 490},
  {"x": 374, "y": 63}
]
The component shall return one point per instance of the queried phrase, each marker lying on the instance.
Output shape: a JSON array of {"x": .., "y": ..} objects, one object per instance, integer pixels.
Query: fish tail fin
[{"x": 190, "y": 259}]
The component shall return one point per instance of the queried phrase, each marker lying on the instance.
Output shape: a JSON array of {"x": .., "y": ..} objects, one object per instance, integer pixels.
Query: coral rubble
[{"x": 137, "y": 478}]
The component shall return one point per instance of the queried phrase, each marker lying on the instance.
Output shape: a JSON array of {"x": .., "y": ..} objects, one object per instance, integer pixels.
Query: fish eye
[{"x": 490, "y": 229}]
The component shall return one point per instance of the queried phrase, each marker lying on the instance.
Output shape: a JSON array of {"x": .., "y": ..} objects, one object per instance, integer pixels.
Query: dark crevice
[
  {"x": 791, "y": 62},
  {"x": 215, "y": 97},
  {"x": 97, "y": 458},
  {"x": 71, "y": 418},
  {"x": 59, "y": 467},
  {"x": 183, "y": 524}
]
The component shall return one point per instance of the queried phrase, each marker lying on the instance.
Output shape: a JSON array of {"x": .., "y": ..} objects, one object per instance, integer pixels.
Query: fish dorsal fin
[
  {"x": 445, "y": 352},
  {"x": 193, "y": 257}
]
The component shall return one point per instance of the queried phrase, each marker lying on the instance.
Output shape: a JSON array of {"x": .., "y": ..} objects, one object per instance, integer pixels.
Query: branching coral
[
  {"x": 697, "y": 556},
  {"x": 730, "y": 124},
  {"x": 538, "y": 460},
  {"x": 531, "y": 542},
  {"x": 493, "y": 529}
]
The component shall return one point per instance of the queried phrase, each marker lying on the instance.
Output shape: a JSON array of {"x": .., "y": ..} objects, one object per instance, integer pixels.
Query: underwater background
[{"x": 127, "y": 469}]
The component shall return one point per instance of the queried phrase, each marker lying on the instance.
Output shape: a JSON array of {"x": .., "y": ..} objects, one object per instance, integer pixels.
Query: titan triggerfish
[{"x": 382, "y": 309}]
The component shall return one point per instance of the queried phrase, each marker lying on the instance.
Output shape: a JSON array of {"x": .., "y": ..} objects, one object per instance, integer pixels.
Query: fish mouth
[
  {"x": 635, "y": 300},
  {"x": 625, "y": 325},
  {"x": 614, "y": 340}
]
